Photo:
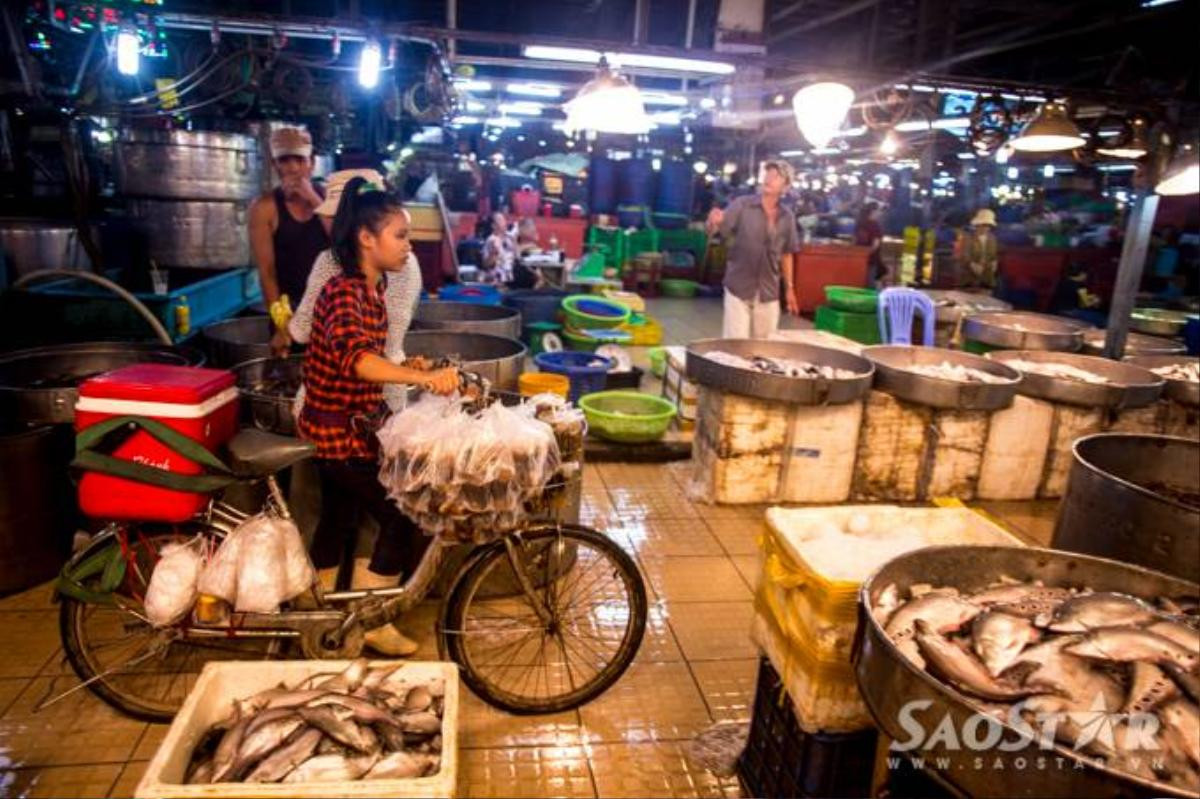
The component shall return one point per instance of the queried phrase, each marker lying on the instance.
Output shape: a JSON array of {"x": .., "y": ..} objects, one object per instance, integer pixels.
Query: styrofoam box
[{"x": 211, "y": 701}]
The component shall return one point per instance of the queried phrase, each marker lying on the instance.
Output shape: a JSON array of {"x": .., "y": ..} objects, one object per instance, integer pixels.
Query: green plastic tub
[
  {"x": 860, "y": 327},
  {"x": 852, "y": 299},
  {"x": 674, "y": 287},
  {"x": 628, "y": 417},
  {"x": 590, "y": 312},
  {"x": 658, "y": 361}
]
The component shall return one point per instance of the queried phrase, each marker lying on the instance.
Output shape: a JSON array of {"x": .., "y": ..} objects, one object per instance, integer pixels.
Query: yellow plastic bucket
[{"x": 533, "y": 383}]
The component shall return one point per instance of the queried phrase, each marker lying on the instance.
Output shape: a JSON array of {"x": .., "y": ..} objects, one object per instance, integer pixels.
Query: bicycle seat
[{"x": 257, "y": 453}]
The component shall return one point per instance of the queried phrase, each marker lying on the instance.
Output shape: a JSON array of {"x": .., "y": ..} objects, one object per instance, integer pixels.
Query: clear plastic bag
[
  {"x": 298, "y": 570},
  {"x": 219, "y": 576},
  {"x": 261, "y": 567},
  {"x": 172, "y": 590}
]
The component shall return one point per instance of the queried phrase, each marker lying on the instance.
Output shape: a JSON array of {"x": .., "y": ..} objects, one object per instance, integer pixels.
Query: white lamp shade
[
  {"x": 1050, "y": 131},
  {"x": 820, "y": 109},
  {"x": 607, "y": 104},
  {"x": 1182, "y": 175}
]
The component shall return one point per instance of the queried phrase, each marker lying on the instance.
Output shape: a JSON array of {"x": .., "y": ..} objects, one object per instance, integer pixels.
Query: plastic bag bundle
[
  {"x": 258, "y": 566},
  {"x": 465, "y": 475},
  {"x": 173, "y": 585}
]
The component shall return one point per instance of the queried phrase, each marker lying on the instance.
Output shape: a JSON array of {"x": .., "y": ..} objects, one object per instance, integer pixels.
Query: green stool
[{"x": 535, "y": 335}]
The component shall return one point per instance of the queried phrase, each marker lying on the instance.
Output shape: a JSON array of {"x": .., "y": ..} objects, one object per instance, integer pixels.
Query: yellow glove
[{"x": 281, "y": 312}]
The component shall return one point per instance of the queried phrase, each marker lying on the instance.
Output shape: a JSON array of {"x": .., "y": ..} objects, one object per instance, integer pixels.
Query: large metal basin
[
  {"x": 1159, "y": 321},
  {"x": 1129, "y": 386},
  {"x": 802, "y": 391},
  {"x": 466, "y": 317},
  {"x": 268, "y": 389},
  {"x": 31, "y": 245},
  {"x": 1115, "y": 505},
  {"x": 237, "y": 341},
  {"x": 40, "y": 385},
  {"x": 1135, "y": 344},
  {"x": 888, "y": 680},
  {"x": 953, "y": 305},
  {"x": 202, "y": 234},
  {"x": 1184, "y": 391},
  {"x": 500, "y": 360},
  {"x": 1019, "y": 330},
  {"x": 892, "y": 376}
]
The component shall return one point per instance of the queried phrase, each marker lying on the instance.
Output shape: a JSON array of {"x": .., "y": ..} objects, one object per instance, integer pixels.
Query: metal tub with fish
[
  {"x": 950, "y": 639},
  {"x": 221, "y": 684}
]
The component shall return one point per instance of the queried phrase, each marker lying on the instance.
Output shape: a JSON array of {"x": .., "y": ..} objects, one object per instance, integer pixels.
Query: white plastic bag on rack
[
  {"x": 261, "y": 567},
  {"x": 219, "y": 576},
  {"x": 172, "y": 590}
]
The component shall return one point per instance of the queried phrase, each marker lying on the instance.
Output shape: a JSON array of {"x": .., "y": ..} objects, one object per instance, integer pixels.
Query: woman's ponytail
[{"x": 363, "y": 204}]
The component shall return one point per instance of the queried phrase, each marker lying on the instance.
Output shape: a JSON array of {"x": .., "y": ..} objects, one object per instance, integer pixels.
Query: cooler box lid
[{"x": 159, "y": 383}]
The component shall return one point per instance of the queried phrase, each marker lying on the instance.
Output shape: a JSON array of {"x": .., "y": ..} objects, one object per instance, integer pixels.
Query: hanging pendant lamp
[
  {"x": 1182, "y": 175},
  {"x": 608, "y": 103},
  {"x": 820, "y": 109},
  {"x": 1132, "y": 144},
  {"x": 1050, "y": 131}
]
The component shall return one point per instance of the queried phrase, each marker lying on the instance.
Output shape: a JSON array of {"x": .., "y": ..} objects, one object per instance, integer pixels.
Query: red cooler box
[{"x": 202, "y": 404}]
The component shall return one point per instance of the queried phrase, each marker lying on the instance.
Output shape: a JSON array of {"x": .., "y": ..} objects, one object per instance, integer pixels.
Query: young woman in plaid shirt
[{"x": 344, "y": 374}]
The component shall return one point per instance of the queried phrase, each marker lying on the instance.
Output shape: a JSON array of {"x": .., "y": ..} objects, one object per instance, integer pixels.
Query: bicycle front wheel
[
  {"x": 143, "y": 671},
  {"x": 555, "y": 637}
]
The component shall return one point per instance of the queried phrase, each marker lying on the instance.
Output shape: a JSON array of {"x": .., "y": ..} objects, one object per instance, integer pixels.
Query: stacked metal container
[{"x": 190, "y": 192}]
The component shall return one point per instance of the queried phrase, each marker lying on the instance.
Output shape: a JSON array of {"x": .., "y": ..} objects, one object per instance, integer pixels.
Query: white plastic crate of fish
[{"x": 353, "y": 734}]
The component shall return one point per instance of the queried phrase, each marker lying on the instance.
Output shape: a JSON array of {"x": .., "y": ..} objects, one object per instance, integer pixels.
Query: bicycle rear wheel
[
  {"x": 138, "y": 669},
  {"x": 562, "y": 644}
]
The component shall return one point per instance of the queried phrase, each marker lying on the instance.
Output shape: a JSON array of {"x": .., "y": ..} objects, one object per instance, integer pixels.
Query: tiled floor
[{"x": 696, "y": 664}]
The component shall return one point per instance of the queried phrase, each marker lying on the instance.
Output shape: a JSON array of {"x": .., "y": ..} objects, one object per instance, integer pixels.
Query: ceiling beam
[{"x": 845, "y": 11}]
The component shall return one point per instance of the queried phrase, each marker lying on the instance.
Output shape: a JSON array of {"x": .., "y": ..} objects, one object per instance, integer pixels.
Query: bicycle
[{"x": 541, "y": 620}]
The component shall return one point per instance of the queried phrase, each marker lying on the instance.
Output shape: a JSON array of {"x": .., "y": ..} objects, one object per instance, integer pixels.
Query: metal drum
[
  {"x": 500, "y": 360},
  {"x": 889, "y": 681},
  {"x": 35, "y": 503},
  {"x": 1136, "y": 499},
  {"x": 1024, "y": 331},
  {"x": 187, "y": 165},
  {"x": 799, "y": 390},
  {"x": 40, "y": 385},
  {"x": 1128, "y": 386},
  {"x": 467, "y": 317},
  {"x": 237, "y": 341},
  {"x": 199, "y": 234},
  {"x": 1186, "y": 392},
  {"x": 893, "y": 376},
  {"x": 31, "y": 245}
]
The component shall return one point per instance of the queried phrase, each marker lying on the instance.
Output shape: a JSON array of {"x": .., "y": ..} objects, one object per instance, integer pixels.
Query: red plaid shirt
[{"x": 349, "y": 321}]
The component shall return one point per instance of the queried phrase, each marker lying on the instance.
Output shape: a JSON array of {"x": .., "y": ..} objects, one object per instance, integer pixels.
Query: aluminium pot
[
  {"x": 893, "y": 376},
  {"x": 798, "y": 390},
  {"x": 40, "y": 385},
  {"x": 888, "y": 680},
  {"x": 1186, "y": 392},
  {"x": 500, "y": 360},
  {"x": 467, "y": 317},
  {"x": 1022, "y": 330},
  {"x": 202, "y": 234},
  {"x": 268, "y": 390},
  {"x": 188, "y": 165},
  {"x": 1134, "y": 498},
  {"x": 1126, "y": 385},
  {"x": 1135, "y": 344}
]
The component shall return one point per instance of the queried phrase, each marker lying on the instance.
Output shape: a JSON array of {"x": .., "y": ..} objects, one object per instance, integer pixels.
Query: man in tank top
[{"x": 286, "y": 235}]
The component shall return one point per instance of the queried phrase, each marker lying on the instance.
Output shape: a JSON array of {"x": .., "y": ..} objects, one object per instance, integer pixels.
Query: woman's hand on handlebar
[{"x": 442, "y": 381}]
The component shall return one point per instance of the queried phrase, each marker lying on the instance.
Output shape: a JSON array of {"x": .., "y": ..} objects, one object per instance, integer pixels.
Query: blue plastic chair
[{"x": 896, "y": 309}]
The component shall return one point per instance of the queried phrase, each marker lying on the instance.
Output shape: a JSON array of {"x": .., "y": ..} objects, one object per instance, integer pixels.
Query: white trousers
[{"x": 754, "y": 319}]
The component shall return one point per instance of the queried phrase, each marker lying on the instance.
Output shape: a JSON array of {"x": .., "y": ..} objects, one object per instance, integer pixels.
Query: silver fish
[
  {"x": 1181, "y": 726},
  {"x": 200, "y": 774},
  {"x": 1082, "y": 614},
  {"x": 1180, "y": 633},
  {"x": 998, "y": 638},
  {"x": 1149, "y": 687},
  {"x": 1128, "y": 644},
  {"x": 941, "y": 612},
  {"x": 337, "y": 722},
  {"x": 363, "y": 711},
  {"x": 1188, "y": 681},
  {"x": 417, "y": 699},
  {"x": 227, "y": 749},
  {"x": 962, "y": 668},
  {"x": 1020, "y": 592},
  {"x": 423, "y": 722},
  {"x": 377, "y": 677},
  {"x": 332, "y": 768},
  {"x": 287, "y": 757},
  {"x": 264, "y": 740},
  {"x": 399, "y": 765},
  {"x": 393, "y": 738}
]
